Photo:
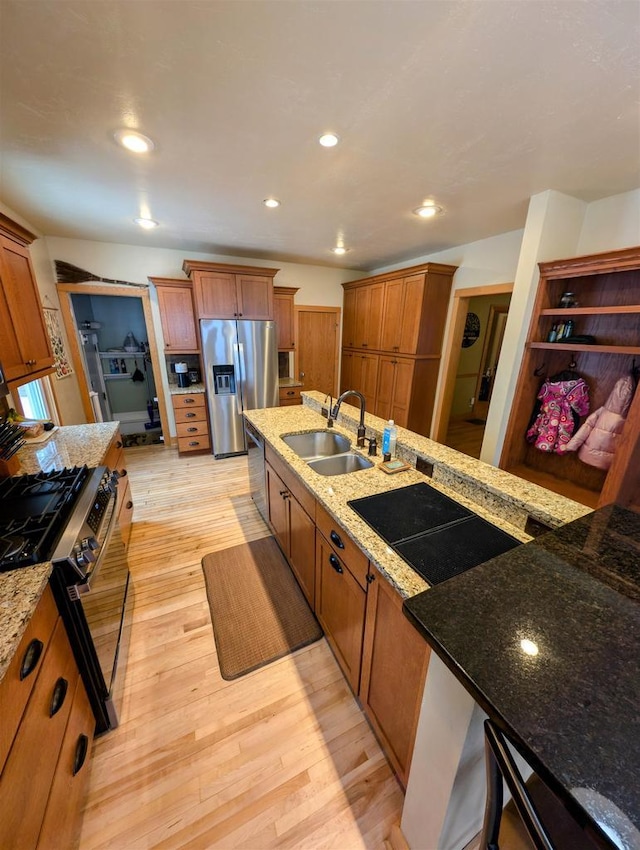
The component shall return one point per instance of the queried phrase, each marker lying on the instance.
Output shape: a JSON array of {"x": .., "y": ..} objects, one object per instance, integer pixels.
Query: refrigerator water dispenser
[{"x": 224, "y": 380}]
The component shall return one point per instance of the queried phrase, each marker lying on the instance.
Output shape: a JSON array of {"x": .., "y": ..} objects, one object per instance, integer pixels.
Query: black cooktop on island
[{"x": 438, "y": 537}]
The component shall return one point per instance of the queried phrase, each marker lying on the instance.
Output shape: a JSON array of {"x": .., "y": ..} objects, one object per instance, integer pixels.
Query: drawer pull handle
[
  {"x": 335, "y": 538},
  {"x": 291, "y": 392},
  {"x": 122, "y": 473},
  {"x": 335, "y": 563},
  {"x": 118, "y": 444},
  {"x": 82, "y": 748},
  {"x": 31, "y": 657},
  {"x": 189, "y": 401},
  {"x": 190, "y": 415},
  {"x": 58, "y": 696},
  {"x": 192, "y": 430},
  {"x": 129, "y": 505}
]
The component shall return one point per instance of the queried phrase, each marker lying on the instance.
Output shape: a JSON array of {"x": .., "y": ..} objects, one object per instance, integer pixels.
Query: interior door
[{"x": 318, "y": 348}]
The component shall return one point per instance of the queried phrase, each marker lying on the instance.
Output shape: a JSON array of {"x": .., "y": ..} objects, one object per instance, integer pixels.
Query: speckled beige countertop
[
  {"x": 289, "y": 382},
  {"x": 20, "y": 590},
  {"x": 493, "y": 494},
  {"x": 174, "y": 389}
]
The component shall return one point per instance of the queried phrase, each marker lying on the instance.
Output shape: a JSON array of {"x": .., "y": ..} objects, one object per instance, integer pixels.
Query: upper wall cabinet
[
  {"x": 283, "y": 304},
  {"x": 177, "y": 314},
  {"x": 25, "y": 349},
  {"x": 231, "y": 292},
  {"x": 604, "y": 294}
]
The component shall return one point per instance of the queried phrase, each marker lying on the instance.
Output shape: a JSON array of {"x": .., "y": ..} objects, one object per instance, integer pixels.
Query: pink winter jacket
[{"x": 597, "y": 438}]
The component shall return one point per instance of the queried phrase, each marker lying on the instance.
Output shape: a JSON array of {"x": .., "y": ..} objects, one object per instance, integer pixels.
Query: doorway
[
  {"x": 123, "y": 384},
  {"x": 317, "y": 352},
  {"x": 471, "y": 356}
]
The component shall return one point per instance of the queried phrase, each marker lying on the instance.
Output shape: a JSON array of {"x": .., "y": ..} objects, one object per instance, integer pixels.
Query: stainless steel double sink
[{"x": 327, "y": 452}]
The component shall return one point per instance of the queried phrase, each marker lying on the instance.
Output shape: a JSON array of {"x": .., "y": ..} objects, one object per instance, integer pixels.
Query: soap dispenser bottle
[{"x": 389, "y": 437}]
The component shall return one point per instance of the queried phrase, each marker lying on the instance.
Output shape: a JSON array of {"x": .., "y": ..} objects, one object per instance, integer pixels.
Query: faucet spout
[{"x": 336, "y": 410}]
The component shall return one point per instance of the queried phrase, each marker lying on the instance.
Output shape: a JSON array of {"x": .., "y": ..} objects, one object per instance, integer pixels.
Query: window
[{"x": 36, "y": 400}]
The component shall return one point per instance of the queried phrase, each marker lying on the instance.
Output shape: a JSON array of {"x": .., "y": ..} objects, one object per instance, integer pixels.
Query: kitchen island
[
  {"x": 546, "y": 640},
  {"x": 389, "y": 656}
]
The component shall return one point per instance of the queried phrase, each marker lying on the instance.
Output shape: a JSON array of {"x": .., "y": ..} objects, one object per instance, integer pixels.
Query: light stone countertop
[
  {"x": 174, "y": 389},
  {"x": 20, "y": 590},
  {"x": 289, "y": 382},
  {"x": 493, "y": 494}
]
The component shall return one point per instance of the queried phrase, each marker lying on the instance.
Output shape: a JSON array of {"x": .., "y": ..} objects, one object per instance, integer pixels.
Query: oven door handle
[{"x": 85, "y": 587}]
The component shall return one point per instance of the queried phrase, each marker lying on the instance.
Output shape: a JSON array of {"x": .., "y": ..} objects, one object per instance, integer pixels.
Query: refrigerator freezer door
[
  {"x": 258, "y": 358},
  {"x": 219, "y": 352}
]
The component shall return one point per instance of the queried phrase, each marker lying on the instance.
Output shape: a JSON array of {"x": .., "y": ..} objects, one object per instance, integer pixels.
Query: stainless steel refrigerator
[{"x": 241, "y": 373}]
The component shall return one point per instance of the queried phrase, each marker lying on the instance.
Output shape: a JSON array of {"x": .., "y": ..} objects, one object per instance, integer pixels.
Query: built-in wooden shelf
[
  {"x": 595, "y": 349},
  {"x": 590, "y": 311}
]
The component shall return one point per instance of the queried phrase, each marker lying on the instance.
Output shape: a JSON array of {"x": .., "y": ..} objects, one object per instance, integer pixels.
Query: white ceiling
[{"x": 476, "y": 104}]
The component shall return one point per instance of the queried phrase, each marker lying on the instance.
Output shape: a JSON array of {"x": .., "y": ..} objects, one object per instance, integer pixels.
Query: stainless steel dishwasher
[{"x": 257, "y": 479}]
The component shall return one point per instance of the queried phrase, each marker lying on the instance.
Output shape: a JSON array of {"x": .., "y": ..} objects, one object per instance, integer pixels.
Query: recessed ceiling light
[
  {"x": 340, "y": 249},
  {"x": 272, "y": 203},
  {"x": 328, "y": 140},
  {"x": 146, "y": 223},
  {"x": 134, "y": 141},
  {"x": 428, "y": 210}
]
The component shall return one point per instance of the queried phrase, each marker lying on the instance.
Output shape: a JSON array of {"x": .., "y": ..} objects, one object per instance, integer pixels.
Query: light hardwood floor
[
  {"x": 465, "y": 437},
  {"x": 282, "y": 757}
]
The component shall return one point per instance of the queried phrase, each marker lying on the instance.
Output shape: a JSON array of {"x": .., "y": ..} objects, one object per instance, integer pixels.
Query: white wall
[{"x": 611, "y": 223}]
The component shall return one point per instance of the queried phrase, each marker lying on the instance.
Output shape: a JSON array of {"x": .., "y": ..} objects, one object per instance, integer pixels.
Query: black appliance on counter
[
  {"x": 434, "y": 534},
  {"x": 69, "y": 517}
]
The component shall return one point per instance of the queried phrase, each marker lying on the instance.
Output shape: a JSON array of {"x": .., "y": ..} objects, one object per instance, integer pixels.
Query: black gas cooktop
[{"x": 438, "y": 537}]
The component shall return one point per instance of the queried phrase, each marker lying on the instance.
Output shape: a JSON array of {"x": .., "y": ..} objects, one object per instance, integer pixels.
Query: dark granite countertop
[{"x": 572, "y": 709}]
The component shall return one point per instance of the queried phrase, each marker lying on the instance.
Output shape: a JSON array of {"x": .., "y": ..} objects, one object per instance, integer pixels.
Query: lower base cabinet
[
  {"x": 50, "y": 736},
  {"x": 395, "y": 659},
  {"x": 340, "y": 608},
  {"x": 381, "y": 655}
]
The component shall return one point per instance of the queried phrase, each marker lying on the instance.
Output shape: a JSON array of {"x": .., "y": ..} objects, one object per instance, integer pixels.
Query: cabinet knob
[
  {"x": 30, "y": 658},
  {"x": 336, "y": 539},
  {"x": 335, "y": 563},
  {"x": 58, "y": 696},
  {"x": 129, "y": 505},
  {"x": 370, "y": 578},
  {"x": 194, "y": 443},
  {"x": 119, "y": 444},
  {"x": 291, "y": 392}
]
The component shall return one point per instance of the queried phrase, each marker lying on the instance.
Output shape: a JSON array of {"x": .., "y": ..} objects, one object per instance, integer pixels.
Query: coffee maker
[{"x": 182, "y": 372}]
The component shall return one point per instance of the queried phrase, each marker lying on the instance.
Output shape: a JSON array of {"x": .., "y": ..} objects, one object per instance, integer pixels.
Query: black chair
[{"x": 546, "y": 821}]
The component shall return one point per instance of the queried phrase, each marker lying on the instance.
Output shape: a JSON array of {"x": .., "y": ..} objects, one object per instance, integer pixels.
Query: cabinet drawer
[
  {"x": 28, "y": 773},
  {"x": 343, "y": 545},
  {"x": 184, "y": 401},
  {"x": 193, "y": 414},
  {"x": 62, "y": 819},
  {"x": 21, "y": 675},
  {"x": 194, "y": 443},
  {"x": 290, "y": 395},
  {"x": 193, "y": 428},
  {"x": 298, "y": 489},
  {"x": 114, "y": 457}
]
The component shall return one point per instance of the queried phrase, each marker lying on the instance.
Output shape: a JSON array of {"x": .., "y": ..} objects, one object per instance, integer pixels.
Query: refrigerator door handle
[{"x": 237, "y": 351}]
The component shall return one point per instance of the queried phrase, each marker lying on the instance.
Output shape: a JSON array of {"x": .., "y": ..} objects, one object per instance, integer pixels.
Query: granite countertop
[
  {"x": 572, "y": 708},
  {"x": 289, "y": 382},
  {"x": 174, "y": 389},
  {"x": 20, "y": 590},
  {"x": 451, "y": 475}
]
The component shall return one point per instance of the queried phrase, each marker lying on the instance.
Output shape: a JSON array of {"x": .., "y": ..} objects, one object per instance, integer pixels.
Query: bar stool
[{"x": 547, "y": 823}]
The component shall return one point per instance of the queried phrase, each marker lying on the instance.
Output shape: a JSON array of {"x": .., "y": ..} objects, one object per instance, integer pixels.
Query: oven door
[{"x": 98, "y": 614}]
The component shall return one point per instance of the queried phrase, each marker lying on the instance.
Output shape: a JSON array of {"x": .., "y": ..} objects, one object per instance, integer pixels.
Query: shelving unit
[{"x": 607, "y": 288}]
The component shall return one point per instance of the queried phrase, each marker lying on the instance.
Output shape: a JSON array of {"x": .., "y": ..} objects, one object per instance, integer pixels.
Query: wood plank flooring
[
  {"x": 465, "y": 437},
  {"x": 282, "y": 757}
]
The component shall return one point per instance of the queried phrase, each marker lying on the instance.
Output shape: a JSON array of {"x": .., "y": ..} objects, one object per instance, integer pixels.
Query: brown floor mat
[{"x": 258, "y": 611}]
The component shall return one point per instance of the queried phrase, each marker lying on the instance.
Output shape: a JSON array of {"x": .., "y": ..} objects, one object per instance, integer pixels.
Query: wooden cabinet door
[
  {"x": 24, "y": 343},
  {"x": 384, "y": 394},
  {"x": 349, "y": 318},
  {"x": 365, "y": 377},
  {"x": 302, "y": 538},
  {"x": 63, "y": 819},
  {"x": 392, "y": 317},
  {"x": 412, "y": 297},
  {"x": 254, "y": 296},
  {"x": 346, "y": 371},
  {"x": 278, "y": 509},
  {"x": 177, "y": 316},
  {"x": 283, "y": 315},
  {"x": 402, "y": 389},
  {"x": 340, "y": 608},
  {"x": 394, "y": 665},
  {"x": 215, "y": 294},
  {"x": 368, "y": 318}
]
